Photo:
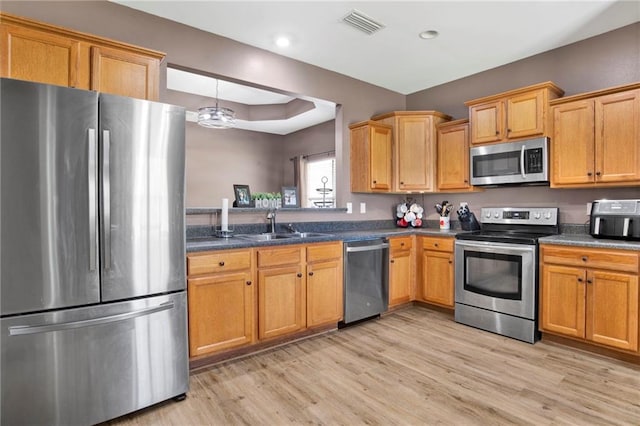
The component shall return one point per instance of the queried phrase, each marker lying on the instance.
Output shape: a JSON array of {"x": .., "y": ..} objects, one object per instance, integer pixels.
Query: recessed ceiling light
[
  {"x": 283, "y": 41},
  {"x": 426, "y": 35}
]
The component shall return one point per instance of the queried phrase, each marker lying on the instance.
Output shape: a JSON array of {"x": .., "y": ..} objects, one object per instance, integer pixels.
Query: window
[{"x": 319, "y": 193}]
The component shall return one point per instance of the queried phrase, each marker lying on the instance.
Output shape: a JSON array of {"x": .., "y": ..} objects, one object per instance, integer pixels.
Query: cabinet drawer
[
  {"x": 400, "y": 243},
  {"x": 318, "y": 252},
  {"x": 289, "y": 255},
  {"x": 219, "y": 261},
  {"x": 617, "y": 260},
  {"x": 438, "y": 244}
]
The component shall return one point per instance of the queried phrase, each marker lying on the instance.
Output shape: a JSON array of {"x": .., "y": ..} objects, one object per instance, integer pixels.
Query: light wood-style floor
[{"x": 412, "y": 367}]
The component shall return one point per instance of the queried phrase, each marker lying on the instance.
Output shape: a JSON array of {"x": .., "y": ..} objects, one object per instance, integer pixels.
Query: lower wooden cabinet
[
  {"x": 436, "y": 273},
  {"x": 324, "y": 284},
  {"x": 240, "y": 297},
  {"x": 401, "y": 270},
  {"x": 221, "y": 294},
  {"x": 590, "y": 294},
  {"x": 281, "y": 291}
]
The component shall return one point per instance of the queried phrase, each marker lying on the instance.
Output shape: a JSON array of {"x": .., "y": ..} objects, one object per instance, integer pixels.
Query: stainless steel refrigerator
[{"x": 92, "y": 254}]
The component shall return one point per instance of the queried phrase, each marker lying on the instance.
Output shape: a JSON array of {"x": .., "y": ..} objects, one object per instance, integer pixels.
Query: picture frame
[
  {"x": 290, "y": 197},
  {"x": 243, "y": 196}
]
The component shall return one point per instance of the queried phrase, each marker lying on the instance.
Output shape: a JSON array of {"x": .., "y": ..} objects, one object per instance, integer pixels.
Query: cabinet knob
[
  {"x": 392, "y": 261},
  {"x": 497, "y": 133},
  {"x": 435, "y": 244},
  {"x": 248, "y": 282},
  {"x": 299, "y": 275},
  {"x": 598, "y": 173},
  {"x": 580, "y": 280},
  {"x": 402, "y": 244},
  {"x": 585, "y": 258},
  {"x": 451, "y": 261},
  {"x": 466, "y": 181},
  {"x": 221, "y": 263},
  {"x": 401, "y": 183},
  {"x": 375, "y": 181},
  {"x": 311, "y": 273},
  {"x": 589, "y": 282},
  {"x": 508, "y": 130},
  {"x": 589, "y": 174}
]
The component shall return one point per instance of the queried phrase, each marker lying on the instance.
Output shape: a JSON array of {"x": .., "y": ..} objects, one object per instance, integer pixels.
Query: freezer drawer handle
[
  {"x": 367, "y": 248},
  {"x": 20, "y": 330}
]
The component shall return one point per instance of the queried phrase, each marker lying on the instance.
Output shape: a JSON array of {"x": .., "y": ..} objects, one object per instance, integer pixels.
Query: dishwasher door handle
[{"x": 367, "y": 248}]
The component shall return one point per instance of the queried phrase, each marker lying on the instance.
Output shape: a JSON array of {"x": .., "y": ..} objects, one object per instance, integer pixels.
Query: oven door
[{"x": 497, "y": 276}]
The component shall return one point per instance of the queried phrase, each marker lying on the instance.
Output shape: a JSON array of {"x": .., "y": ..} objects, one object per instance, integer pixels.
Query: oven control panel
[{"x": 520, "y": 215}]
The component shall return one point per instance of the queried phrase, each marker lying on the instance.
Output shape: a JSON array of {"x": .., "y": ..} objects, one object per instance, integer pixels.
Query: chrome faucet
[
  {"x": 291, "y": 228},
  {"x": 271, "y": 215}
]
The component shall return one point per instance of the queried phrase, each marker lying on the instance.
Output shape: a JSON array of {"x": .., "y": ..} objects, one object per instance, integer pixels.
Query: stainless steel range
[{"x": 496, "y": 276}]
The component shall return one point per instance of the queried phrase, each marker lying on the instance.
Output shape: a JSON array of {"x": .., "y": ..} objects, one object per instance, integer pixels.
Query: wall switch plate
[
  {"x": 349, "y": 208},
  {"x": 363, "y": 208}
]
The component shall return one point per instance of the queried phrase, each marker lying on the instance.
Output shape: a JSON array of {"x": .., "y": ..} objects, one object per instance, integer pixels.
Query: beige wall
[{"x": 603, "y": 61}]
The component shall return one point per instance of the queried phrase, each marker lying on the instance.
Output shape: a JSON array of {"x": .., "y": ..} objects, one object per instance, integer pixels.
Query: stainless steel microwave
[{"x": 511, "y": 163}]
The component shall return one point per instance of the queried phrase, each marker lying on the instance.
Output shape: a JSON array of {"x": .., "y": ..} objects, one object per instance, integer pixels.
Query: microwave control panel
[{"x": 533, "y": 160}]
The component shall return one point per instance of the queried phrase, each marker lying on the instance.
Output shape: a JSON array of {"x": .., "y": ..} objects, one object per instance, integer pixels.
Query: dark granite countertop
[
  {"x": 586, "y": 240},
  {"x": 207, "y": 243}
]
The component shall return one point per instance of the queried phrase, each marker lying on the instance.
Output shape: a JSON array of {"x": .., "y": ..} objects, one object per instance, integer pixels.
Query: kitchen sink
[{"x": 280, "y": 236}]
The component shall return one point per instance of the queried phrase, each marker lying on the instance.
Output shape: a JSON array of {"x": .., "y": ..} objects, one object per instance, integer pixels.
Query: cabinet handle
[
  {"x": 497, "y": 133},
  {"x": 402, "y": 244},
  {"x": 392, "y": 261},
  {"x": 508, "y": 130},
  {"x": 248, "y": 282},
  {"x": 450, "y": 262},
  {"x": 299, "y": 275},
  {"x": 401, "y": 183},
  {"x": 435, "y": 244},
  {"x": 221, "y": 263},
  {"x": 375, "y": 181},
  {"x": 589, "y": 282},
  {"x": 580, "y": 280},
  {"x": 466, "y": 181},
  {"x": 598, "y": 173},
  {"x": 589, "y": 174},
  {"x": 585, "y": 258},
  {"x": 311, "y": 273}
]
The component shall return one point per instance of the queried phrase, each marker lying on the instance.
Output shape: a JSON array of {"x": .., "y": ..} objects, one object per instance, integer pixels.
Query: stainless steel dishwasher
[{"x": 366, "y": 279}]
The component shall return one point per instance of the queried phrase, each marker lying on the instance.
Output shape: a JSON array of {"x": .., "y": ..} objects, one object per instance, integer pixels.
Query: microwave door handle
[
  {"x": 625, "y": 227},
  {"x": 522, "y": 171},
  {"x": 596, "y": 227}
]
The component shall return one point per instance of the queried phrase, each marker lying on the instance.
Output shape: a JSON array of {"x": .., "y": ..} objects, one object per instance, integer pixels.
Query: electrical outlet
[
  {"x": 588, "y": 209},
  {"x": 349, "y": 208},
  {"x": 363, "y": 208}
]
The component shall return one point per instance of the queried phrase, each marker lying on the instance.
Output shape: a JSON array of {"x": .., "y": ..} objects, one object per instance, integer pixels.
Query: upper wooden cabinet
[
  {"x": 414, "y": 148},
  {"x": 453, "y": 156},
  {"x": 596, "y": 138},
  {"x": 512, "y": 115},
  {"x": 44, "y": 53},
  {"x": 370, "y": 150}
]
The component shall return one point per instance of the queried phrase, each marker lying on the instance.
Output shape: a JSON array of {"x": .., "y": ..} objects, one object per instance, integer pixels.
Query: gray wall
[{"x": 607, "y": 60}]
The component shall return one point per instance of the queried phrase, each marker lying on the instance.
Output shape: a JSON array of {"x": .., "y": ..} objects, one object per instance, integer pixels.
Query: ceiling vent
[{"x": 362, "y": 22}]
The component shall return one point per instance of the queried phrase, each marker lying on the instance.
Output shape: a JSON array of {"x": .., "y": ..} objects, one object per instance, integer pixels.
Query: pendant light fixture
[{"x": 216, "y": 117}]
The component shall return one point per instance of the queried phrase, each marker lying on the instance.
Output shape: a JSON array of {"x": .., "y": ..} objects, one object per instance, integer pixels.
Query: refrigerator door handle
[
  {"x": 106, "y": 197},
  {"x": 93, "y": 200},
  {"x": 21, "y": 330}
]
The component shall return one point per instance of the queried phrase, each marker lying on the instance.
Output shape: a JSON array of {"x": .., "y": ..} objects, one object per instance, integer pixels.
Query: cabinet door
[
  {"x": 380, "y": 161},
  {"x": 612, "y": 309},
  {"x": 525, "y": 115},
  {"x": 617, "y": 137},
  {"x": 416, "y": 153},
  {"x": 453, "y": 157},
  {"x": 563, "y": 300},
  {"x": 324, "y": 293},
  {"x": 124, "y": 73},
  {"x": 221, "y": 312},
  {"x": 400, "y": 267},
  {"x": 437, "y": 278},
  {"x": 39, "y": 56},
  {"x": 281, "y": 293},
  {"x": 572, "y": 146},
  {"x": 487, "y": 122}
]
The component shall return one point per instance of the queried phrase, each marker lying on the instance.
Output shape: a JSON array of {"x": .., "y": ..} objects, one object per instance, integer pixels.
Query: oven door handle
[{"x": 486, "y": 246}]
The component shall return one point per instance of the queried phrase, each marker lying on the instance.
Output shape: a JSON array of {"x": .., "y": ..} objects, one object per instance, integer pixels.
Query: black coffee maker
[{"x": 467, "y": 219}]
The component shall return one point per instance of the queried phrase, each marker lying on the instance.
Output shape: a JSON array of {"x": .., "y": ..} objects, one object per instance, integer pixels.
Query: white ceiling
[{"x": 474, "y": 35}]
